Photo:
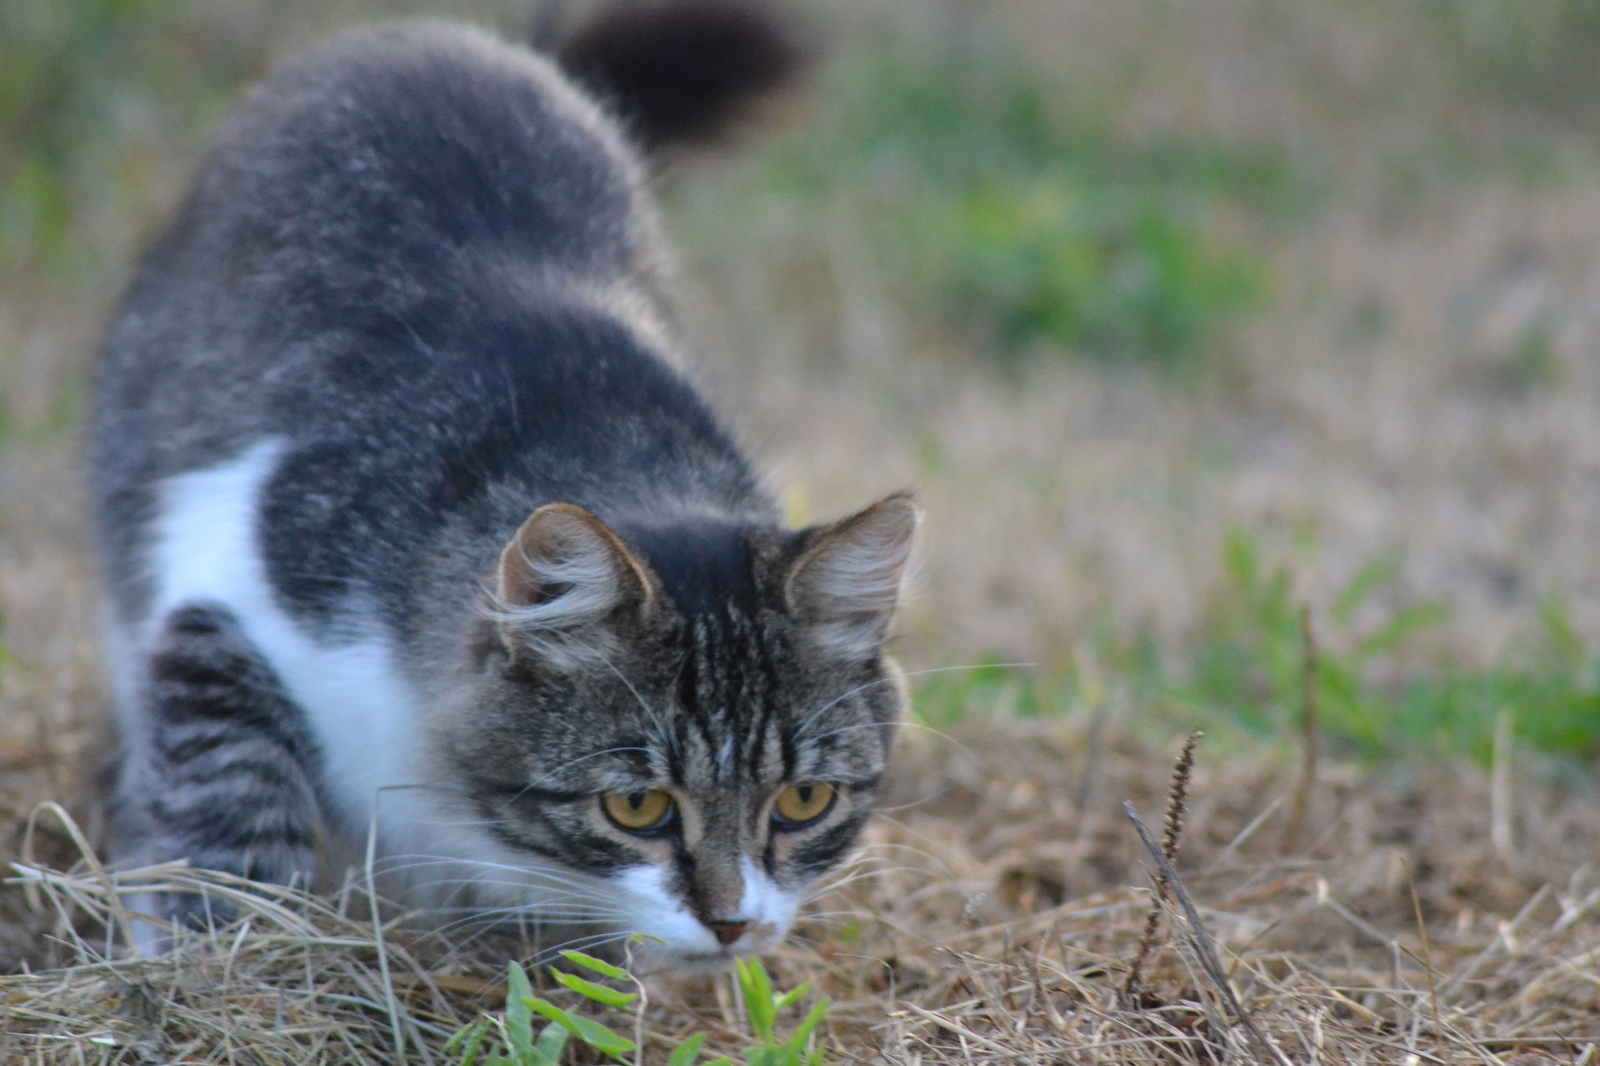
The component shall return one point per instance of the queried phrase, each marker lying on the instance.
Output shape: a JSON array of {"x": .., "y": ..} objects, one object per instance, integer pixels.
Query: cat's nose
[{"x": 727, "y": 932}]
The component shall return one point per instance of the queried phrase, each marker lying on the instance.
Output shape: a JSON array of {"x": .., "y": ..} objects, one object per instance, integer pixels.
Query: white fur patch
[
  {"x": 361, "y": 709},
  {"x": 768, "y": 908},
  {"x": 659, "y": 914},
  {"x": 656, "y": 912}
]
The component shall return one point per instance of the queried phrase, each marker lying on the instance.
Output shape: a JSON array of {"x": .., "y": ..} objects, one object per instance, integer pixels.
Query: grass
[
  {"x": 520, "y": 1046},
  {"x": 1023, "y": 225},
  {"x": 1532, "y": 56},
  {"x": 1247, "y": 672},
  {"x": 81, "y": 85},
  {"x": 1000, "y": 920}
]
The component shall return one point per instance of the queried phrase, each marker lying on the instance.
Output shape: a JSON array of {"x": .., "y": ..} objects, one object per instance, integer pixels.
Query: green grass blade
[
  {"x": 757, "y": 988},
  {"x": 454, "y": 1043},
  {"x": 1371, "y": 577},
  {"x": 551, "y": 1011},
  {"x": 469, "y": 1041},
  {"x": 519, "y": 1022},
  {"x": 1408, "y": 621},
  {"x": 600, "y": 1038},
  {"x": 685, "y": 1053},
  {"x": 790, "y": 997},
  {"x": 589, "y": 962},
  {"x": 611, "y": 997},
  {"x": 807, "y": 1027},
  {"x": 552, "y": 1039}
]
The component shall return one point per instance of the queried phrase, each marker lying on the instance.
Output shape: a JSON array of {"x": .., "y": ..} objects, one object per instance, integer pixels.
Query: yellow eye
[
  {"x": 807, "y": 802},
  {"x": 638, "y": 811}
]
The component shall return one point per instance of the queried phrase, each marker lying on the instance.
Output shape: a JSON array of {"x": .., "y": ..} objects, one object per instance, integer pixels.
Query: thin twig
[
  {"x": 1178, "y": 798},
  {"x": 1427, "y": 955},
  {"x": 1099, "y": 708},
  {"x": 1177, "y": 806},
  {"x": 1199, "y": 938},
  {"x": 1309, "y": 728},
  {"x": 1500, "y": 823}
]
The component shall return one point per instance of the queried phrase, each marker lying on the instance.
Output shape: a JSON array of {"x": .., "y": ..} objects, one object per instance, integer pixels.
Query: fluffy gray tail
[{"x": 680, "y": 71}]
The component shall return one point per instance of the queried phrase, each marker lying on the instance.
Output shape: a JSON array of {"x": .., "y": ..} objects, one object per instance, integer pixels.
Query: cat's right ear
[{"x": 565, "y": 584}]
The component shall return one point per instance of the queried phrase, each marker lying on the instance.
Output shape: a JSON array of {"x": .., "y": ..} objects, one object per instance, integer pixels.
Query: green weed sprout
[
  {"x": 511, "y": 1041},
  {"x": 762, "y": 1005}
]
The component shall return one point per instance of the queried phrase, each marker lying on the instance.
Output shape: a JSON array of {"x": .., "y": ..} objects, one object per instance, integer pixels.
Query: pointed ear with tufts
[
  {"x": 846, "y": 583},
  {"x": 565, "y": 584}
]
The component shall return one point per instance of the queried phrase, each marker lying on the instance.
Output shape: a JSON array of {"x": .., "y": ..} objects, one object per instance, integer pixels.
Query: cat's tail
[{"x": 679, "y": 71}]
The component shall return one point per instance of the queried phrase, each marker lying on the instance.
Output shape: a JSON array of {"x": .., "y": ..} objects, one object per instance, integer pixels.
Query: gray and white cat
[{"x": 399, "y": 489}]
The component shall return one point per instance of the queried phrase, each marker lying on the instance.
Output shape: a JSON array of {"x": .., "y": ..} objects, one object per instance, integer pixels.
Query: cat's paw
[{"x": 161, "y": 919}]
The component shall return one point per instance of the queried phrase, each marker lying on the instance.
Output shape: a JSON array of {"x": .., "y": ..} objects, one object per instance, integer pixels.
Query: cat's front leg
[{"x": 225, "y": 773}]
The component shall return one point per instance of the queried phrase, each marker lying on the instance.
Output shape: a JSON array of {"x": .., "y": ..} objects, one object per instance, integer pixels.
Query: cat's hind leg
[{"x": 225, "y": 770}]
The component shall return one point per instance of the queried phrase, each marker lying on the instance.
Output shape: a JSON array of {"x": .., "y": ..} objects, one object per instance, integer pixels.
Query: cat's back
[
  {"x": 413, "y": 142},
  {"x": 393, "y": 191},
  {"x": 417, "y": 272}
]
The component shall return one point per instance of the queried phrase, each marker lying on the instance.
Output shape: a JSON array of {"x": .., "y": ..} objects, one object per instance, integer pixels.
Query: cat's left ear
[{"x": 847, "y": 581}]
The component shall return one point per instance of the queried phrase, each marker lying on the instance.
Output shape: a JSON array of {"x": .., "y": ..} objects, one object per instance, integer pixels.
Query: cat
[{"x": 411, "y": 522}]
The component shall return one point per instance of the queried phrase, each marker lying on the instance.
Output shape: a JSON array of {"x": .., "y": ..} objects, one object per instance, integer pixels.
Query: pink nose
[{"x": 727, "y": 932}]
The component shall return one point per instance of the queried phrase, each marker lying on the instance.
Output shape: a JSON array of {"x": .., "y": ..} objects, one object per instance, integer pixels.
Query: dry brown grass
[{"x": 989, "y": 920}]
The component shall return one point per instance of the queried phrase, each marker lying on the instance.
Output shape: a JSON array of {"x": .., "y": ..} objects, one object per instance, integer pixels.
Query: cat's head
[{"x": 692, "y": 716}]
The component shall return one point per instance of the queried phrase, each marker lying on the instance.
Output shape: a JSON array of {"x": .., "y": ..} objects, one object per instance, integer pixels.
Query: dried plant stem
[
  {"x": 1309, "y": 729},
  {"x": 1427, "y": 955},
  {"x": 1178, "y": 798},
  {"x": 1199, "y": 939},
  {"x": 114, "y": 904},
  {"x": 1177, "y": 806},
  {"x": 1500, "y": 832},
  {"x": 298, "y": 977},
  {"x": 1100, "y": 708},
  {"x": 1134, "y": 985},
  {"x": 377, "y": 936}
]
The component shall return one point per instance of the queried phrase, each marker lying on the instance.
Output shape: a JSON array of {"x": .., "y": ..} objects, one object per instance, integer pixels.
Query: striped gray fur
[{"x": 228, "y": 773}]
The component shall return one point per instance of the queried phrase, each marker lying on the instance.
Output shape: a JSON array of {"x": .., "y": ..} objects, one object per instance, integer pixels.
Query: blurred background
[{"x": 1195, "y": 325}]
